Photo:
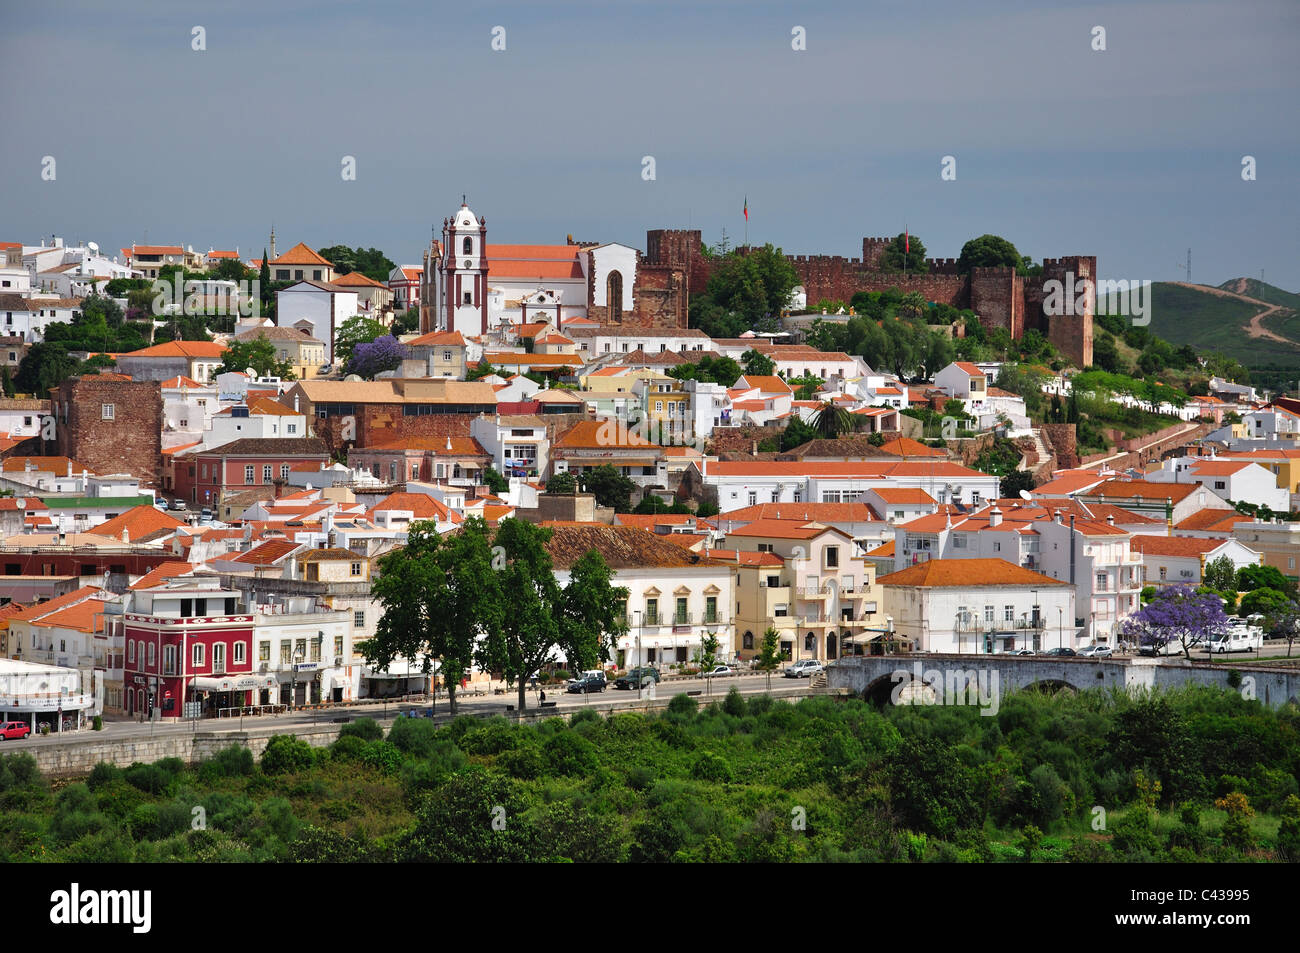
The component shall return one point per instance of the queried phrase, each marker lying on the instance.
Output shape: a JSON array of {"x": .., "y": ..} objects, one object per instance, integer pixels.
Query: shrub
[
  {"x": 1236, "y": 829},
  {"x": 491, "y": 737},
  {"x": 416, "y": 737},
  {"x": 524, "y": 762},
  {"x": 683, "y": 705},
  {"x": 367, "y": 729},
  {"x": 584, "y": 715},
  {"x": 149, "y": 778},
  {"x": 348, "y": 748},
  {"x": 286, "y": 753},
  {"x": 1288, "y": 832},
  {"x": 101, "y": 774},
  {"x": 711, "y": 767},
  {"x": 734, "y": 703},
  {"x": 383, "y": 757},
  {"x": 640, "y": 778},
  {"x": 97, "y": 723},
  {"x": 233, "y": 762},
  {"x": 569, "y": 753}
]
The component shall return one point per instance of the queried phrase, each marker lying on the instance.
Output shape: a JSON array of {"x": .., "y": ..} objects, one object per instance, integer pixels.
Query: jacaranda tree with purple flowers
[
  {"x": 382, "y": 354},
  {"x": 1177, "y": 614}
]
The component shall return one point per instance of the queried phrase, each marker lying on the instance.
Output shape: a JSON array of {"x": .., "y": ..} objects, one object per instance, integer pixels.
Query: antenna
[{"x": 1188, "y": 267}]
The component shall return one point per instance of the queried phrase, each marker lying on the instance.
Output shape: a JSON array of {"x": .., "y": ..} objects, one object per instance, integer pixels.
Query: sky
[{"x": 1133, "y": 153}]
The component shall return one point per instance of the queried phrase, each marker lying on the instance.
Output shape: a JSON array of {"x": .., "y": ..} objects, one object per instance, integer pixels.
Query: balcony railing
[
  {"x": 980, "y": 625},
  {"x": 712, "y": 618},
  {"x": 682, "y": 618}
]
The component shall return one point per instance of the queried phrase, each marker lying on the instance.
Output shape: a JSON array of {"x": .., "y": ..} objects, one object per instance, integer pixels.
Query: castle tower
[{"x": 463, "y": 274}]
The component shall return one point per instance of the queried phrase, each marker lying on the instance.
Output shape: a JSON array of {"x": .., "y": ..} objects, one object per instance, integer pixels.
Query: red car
[{"x": 14, "y": 729}]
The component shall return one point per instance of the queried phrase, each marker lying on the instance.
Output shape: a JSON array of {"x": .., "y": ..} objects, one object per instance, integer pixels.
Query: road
[{"x": 478, "y": 705}]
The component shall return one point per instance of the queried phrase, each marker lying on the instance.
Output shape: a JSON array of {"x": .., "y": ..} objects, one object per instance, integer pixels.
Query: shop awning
[{"x": 231, "y": 683}]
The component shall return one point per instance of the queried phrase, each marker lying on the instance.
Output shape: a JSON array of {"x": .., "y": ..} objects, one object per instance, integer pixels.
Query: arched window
[
  {"x": 809, "y": 642},
  {"x": 467, "y": 246},
  {"x": 614, "y": 298},
  {"x": 748, "y": 642},
  {"x": 830, "y": 645}
]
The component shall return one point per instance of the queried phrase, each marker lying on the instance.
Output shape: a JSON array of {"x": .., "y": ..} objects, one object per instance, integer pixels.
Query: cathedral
[{"x": 474, "y": 287}]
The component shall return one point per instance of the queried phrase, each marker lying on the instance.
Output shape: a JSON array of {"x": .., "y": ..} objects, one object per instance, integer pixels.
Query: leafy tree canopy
[
  {"x": 371, "y": 262},
  {"x": 988, "y": 251},
  {"x": 259, "y": 354}
]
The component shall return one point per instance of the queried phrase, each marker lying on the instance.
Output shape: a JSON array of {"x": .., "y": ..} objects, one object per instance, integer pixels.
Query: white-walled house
[
  {"x": 1233, "y": 480},
  {"x": 1181, "y": 560},
  {"x": 965, "y": 382},
  {"x": 317, "y": 308},
  {"x": 979, "y": 606},
  {"x": 676, "y": 597}
]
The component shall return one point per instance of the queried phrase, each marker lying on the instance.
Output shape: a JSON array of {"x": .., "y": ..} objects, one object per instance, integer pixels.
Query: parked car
[
  {"x": 1061, "y": 651},
  {"x": 586, "y": 682},
  {"x": 719, "y": 670},
  {"x": 178, "y": 504},
  {"x": 804, "y": 668},
  {"x": 1020, "y": 652},
  {"x": 1097, "y": 650},
  {"x": 15, "y": 730},
  {"x": 205, "y": 513},
  {"x": 638, "y": 677}
]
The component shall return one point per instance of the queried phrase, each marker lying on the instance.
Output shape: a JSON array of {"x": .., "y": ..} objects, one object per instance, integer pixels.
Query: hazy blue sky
[{"x": 1132, "y": 154}]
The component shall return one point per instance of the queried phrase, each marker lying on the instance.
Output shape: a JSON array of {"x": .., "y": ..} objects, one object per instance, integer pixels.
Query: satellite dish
[
  {"x": 250, "y": 372},
  {"x": 1025, "y": 495},
  {"x": 94, "y": 249}
]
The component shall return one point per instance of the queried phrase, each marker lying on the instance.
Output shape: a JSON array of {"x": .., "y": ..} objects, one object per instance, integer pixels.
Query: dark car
[
  {"x": 587, "y": 683},
  {"x": 14, "y": 729},
  {"x": 1061, "y": 651},
  {"x": 638, "y": 677}
]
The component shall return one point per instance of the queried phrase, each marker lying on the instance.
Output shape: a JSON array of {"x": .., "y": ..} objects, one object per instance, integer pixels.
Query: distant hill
[
  {"x": 1260, "y": 332},
  {"x": 1262, "y": 291}
]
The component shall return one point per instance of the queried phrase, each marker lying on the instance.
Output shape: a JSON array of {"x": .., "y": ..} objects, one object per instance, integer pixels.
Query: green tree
[
  {"x": 231, "y": 269},
  {"x": 259, "y": 354},
  {"x": 264, "y": 286},
  {"x": 408, "y": 322},
  {"x": 988, "y": 251},
  {"x": 1015, "y": 481},
  {"x": 45, "y": 366},
  {"x": 611, "y": 488},
  {"x": 1221, "y": 574},
  {"x": 590, "y": 613},
  {"x": 832, "y": 420},
  {"x": 355, "y": 330},
  {"x": 757, "y": 365},
  {"x": 495, "y": 481},
  {"x": 770, "y": 654},
  {"x": 371, "y": 262},
  {"x": 439, "y": 596},
  {"x": 1265, "y": 602},
  {"x": 1259, "y": 576},
  {"x": 755, "y": 285},
  {"x": 7, "y": 382},
  {"x": 796, "y": 434},
  {"x": 562, "y": 483},
  {"x": 905, "y": 252},
  {"x": 484, "y": 369},
  {"x": 913, "y": 305}
]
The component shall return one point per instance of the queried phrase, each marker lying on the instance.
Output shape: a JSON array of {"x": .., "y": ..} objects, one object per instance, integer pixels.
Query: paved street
[{"x": 481, "y": 705}]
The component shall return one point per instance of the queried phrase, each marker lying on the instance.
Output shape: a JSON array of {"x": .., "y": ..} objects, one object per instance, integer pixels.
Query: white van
[{"x": 1238, "y": 638}]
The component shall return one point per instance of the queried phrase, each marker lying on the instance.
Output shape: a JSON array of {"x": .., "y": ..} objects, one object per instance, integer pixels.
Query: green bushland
[{"x": 1195, "y": 774}]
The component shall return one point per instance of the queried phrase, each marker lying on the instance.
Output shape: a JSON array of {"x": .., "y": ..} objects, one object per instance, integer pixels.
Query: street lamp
[
  {"x": 637, "y": 615},
  {"x": 1060, "y": 628},
  {"x": 298, "y": 656}
]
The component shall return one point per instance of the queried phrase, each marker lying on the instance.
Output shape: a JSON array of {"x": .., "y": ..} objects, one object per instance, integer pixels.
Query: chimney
[
  {"x": 995, "y": 516},
  {"x": 69, "y": 467},
  {"x": 1110, "y": 519},
  {"x": 126, "y": 536},
  {"x": 329, "y": 539}
]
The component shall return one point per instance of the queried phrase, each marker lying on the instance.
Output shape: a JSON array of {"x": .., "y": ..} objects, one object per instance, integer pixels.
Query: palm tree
[{"x": 831, "y": 421}]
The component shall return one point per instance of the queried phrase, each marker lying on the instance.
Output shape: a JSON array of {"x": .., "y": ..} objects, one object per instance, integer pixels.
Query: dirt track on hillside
[{"x": 1256, "y": 327}]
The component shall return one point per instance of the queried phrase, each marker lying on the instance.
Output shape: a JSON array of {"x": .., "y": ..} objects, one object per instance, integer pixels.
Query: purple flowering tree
[
  {"x": 382, "y": 354},
  {"x": 1176, "y": 614}
]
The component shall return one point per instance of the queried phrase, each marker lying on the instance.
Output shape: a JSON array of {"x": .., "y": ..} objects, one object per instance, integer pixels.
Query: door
[{"x": 219, "y": 658}]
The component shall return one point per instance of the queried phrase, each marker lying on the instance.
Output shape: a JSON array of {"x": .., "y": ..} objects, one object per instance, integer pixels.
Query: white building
[
  {"x": 519, "y": 443},
  {"x": 979, "y": 606},
  {"x": 1181, "y": 560},
  {"x": 1233, "y": 480},
  {"x": 317, "y": 308}
]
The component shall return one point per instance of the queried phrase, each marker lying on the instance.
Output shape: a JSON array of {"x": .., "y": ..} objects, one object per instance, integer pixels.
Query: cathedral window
[{"x": 467, "y": 246}]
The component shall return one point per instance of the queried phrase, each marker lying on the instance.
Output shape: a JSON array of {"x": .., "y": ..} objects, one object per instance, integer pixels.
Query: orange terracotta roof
[
  {"x": 1213, "y": 521},
  {"x": 86, "y": 616},
  {"x": 32, "y": 613},
  {"x": 267, "y": 553},
  {"x": 460, "y": 446},
  {"x": 1069, "y": 481},
  {"x": 533, "y": 261},
  {"x": 850, "y": 468},
  {"x": 907, "y": 447},
  {"x": 970, "y": 368},
  {"x": 961, "y": 573},
  {"x": 182, "y": 446},
  {"x": 903, "y": 494},
  {"x": 784, "y": 529},
  {"x": 57, "y": 465},
  {"x": 1221, "y": 467},
  {"x": 1143, "y": 490},
  {"x": 155, "y": 250},
  {"x": 610, "y": 433},
  {"x": 439, "y": 339},
  {"x": 769, "y": 384},
  {"x": 139, "y": 521},
  {"x": 300, "y": 254},
  {"x": 181, "y": 381},
  {"x": 355, "y": 279},
  {"x": 743, "y": 558},
  {"x": 1184, "y": 546},
  {"x": 808, "y": 512},
  {"x": 210, "y": 349},
  {"x": 422, "y": 507},
  {"x": 881, "y": 551},
  {"x": 160, "y": 574}
]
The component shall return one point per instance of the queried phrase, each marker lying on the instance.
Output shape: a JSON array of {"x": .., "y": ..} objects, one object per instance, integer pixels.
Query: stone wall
[{"x": 130, "y": 441}]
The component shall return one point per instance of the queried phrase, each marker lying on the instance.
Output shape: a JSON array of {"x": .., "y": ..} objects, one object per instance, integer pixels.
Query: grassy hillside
[
  {"x": 1254, "y": 288},
  {"x": 1211, "y": 322}
]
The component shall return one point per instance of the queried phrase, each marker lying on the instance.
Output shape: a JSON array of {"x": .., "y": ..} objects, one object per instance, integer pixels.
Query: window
[
  {"x": 832, "y": 557},
  {"x": 338, "y": 646},
  {"x": 652, "y": 612},
  {"x": 169, "y": 658},
  {"x": 682, "y": 616},
  {"x": 356, "y": 569},
  {"x": 315, "y": 650},
  {"x": 467, "y": 246},
  {"x": 780, "y": 610},
  {"x": 196, "y": 654},
  {"x": 266, "y": 473},
  {"x": 958, "y": 540},
  {"x": 753, "y": 498},
  {"x": 284, "y": 467},
  {"x": 748, "y": 640},
  {"x": 469, "y": 298},
  {"x": 359, "y": 619},
  {"x": 152, "y": 654},
  {"x": 1163, "y": 572},
  {"x": 446, "y": 355},
  {"x": 107, "y": 411},
  {"x": 248, "y": 473},
  {"x": 264, "y": 651},
  {"x": 240, "y": 649},
  {"x": 1101, "y": 582},
  {"x": 130, "y": 650},
  {"x": 1008, "y": 613},
  {"x": 988, "y": 613},
  {"x": 1219, "y": 484},
  {"x": 286, "y": 654}
]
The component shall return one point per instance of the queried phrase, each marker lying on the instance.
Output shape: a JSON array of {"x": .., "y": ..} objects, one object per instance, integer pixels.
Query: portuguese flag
[{"x": 747, "y": 208}]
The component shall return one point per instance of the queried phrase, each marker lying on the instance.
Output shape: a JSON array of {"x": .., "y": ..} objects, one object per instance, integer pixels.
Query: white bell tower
[{"x": 463, "y": 269}]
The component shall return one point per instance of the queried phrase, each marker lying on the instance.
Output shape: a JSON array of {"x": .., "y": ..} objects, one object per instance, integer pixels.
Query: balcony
[
  {"x": 813, "y": 592},
  {"x": 713, "y": 618},
  {"x": 980, "y": 625}
]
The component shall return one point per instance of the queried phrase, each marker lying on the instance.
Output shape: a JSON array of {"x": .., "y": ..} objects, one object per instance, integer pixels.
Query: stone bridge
[{"x": 976, "y": 679}]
